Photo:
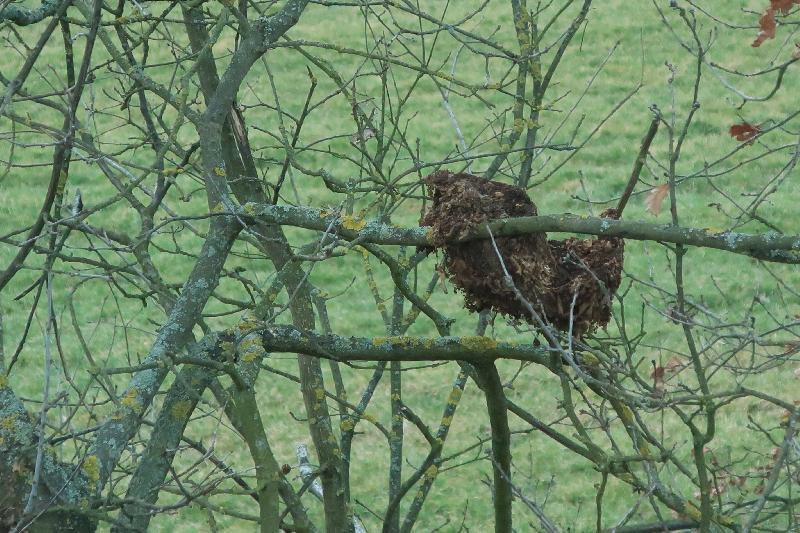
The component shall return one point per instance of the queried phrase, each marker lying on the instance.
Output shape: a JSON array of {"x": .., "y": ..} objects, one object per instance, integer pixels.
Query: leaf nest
[{"x": 559, "y": 279}]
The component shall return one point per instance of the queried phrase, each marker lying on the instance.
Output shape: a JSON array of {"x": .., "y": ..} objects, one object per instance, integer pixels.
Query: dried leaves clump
[{"x": 558, "y": 278}]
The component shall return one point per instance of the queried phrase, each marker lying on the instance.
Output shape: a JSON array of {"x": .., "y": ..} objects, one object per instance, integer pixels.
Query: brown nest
[{"x": 574, "y": 277}]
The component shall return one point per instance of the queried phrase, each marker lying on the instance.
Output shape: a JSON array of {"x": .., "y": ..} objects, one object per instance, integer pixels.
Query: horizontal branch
[
  {"x": 656, "y": 527},
  {"x": 339, "y": 348},
  {"x": 770, "y": 246},
  {"x": 24, "y": 16}
]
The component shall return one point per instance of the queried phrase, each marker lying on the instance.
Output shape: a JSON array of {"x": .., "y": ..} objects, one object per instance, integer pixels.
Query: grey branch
[{"x": 771, "y": 246}]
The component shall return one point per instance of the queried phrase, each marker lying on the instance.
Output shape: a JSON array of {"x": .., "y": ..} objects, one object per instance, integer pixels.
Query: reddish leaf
[
  {"x": 744, "y": 131},
  {"x": 766, "y": 25},
  {"x": 655, "y": 198},
  {"x": 658, "y": 378},
  {"x": 658, "y": 373},
  {"x": 784, "y": 6}
]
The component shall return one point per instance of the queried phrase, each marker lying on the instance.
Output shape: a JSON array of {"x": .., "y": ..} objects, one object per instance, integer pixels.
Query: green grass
[{"x": 119, "y": 331}]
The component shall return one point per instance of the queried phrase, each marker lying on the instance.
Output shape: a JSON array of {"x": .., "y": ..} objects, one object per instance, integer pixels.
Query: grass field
[{"x": 620, "y": 45}]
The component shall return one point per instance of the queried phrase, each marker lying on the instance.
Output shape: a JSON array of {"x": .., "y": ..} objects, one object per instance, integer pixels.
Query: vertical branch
[
  {"x": 14, "y": 85},
  {"x": 441, "y": 436},
  {"x": 497, "y": 409},
  {"x": 789, "y": 440},
  {"x": 242, "y": 410},
  {"x": 113, "y": 436},
  {"x": 599, "y": 501},
  {"x": 521, "y": 18},
  {"x": 699, "y": 438},
  {"x": 450, "y": 407},
  {"x": 532, "y": 126},
  {"x": 349, "y": 422},
  {"x": 178, "y": 406},
  {"x": 641, "y": 158},
  {"x": 2, "y": 345},
  {"x": 48, "y": 361},
  {"x": 396, "y": 395},
  {"x": 395, "y": 439},
  {"x": 338, "y": 515},
  {"x": 61, "y": 155},
  {"x": 336, "y": 371},
  {"x": 252, "y": 46}
]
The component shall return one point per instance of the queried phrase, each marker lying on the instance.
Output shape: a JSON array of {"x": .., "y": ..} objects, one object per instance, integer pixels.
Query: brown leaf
[
  {"x": 658, "y": 378},
  {"x": 658, "y": 373},
  {"x": 744, "y": 131},
  {"x": 442, "y": 277},
  {"x": 784, "y": 6},
  {"x": 655, "y": 198},
  {"x": 18, "y": 467},
  {"x": 766, "y": 25},
  {"x": 786, "y": 415},
  {"x": 719, "y": 489},
  {"x": 362, "y": 136},
  {"x": 674, "y": 365},
  {"x": 796, "y": 53}
]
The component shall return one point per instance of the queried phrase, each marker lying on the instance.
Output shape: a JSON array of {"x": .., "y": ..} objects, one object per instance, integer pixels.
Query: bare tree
[{"x": 228, "y": 182}]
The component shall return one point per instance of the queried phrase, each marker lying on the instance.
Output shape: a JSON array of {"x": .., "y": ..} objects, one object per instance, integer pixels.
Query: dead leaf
[
  {"x": 674, "y": 365},
  {"x": 784, "y": 6},
  {"x": 744, "y": 131},
  {"x": 658, "y": 379},
  {"x": 786, "y": 415},
  {"x": 658, "y": 373},
  {"x": 442, "y": 277},
  {"x": 19, "y": 468},
  {"x": 719, "y": 489},
  {"x": 796, "y": 54},
  {"x": 766, "y": 25},
  {"x": 362, "y": 136},
  {"x": 655, "y": 198}
]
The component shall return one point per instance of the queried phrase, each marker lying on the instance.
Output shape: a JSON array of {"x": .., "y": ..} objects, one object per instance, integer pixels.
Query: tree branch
[
  {"x": 770, "y": 246},
  {"x": 399, "y": 348}
]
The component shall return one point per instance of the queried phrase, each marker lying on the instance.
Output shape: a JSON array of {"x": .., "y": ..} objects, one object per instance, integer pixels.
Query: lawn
[{"x": 623, "y": 54}]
